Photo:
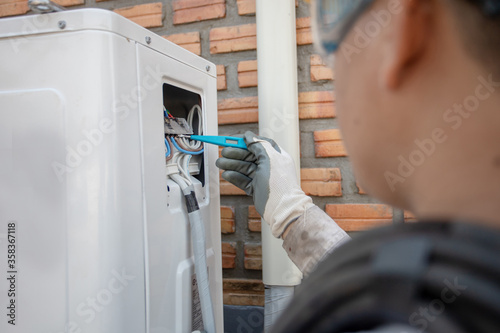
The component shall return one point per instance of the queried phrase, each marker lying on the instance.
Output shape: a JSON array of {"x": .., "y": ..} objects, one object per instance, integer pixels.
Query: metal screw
[
  {"x": 148, "y": 40},
  {"x": 208, "y": 68},
  {"x": 61, "y": 24}
]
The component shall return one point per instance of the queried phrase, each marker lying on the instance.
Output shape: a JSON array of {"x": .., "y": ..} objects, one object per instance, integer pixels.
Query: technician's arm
[
  {"x": 311, "y": 238},
  {"x": 267, "y": 173}
]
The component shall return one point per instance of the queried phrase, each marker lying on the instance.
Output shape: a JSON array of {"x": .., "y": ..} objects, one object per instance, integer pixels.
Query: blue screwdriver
[{"x": 223, "y": 141}]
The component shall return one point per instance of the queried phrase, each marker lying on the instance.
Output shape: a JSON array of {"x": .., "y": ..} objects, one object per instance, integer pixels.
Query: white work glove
[{"x": 267, "y": 173}]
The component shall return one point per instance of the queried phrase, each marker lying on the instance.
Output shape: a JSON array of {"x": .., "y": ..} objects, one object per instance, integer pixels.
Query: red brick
[
  {"x": 148, "y": 15},
  {"x": 316, "y": 104},
  {"x": 186, "y": 11},
  {"x": 247, "y": 73},
  {"x": 323, "y": 182},
  {"x": 253, "y": 256},
  {"x": 316, "y": 182},
  {"x": 304, "y": 34},
  {"x": 226, "y": 188},
  {"x": 243, "y": 292},
  {"x": 360, "y": 190},
  {"x": 190, "y": 41},
  {"x": 13, "y": 7},
  {"x": 238, "y": 110},
  {"x": 19, "y": 7},
  {"x": 409, "y": 216},
  {"x": 254, "y": 219},
  {"x": 69, "y": 3},
  {"x": 328, "y": 143},
  {"x": 221, "y": 77},
  {"x": 246, "y": 7},
  {"x": 357, "y": 217},
  {"x": 228, "y": 255},
  {"x": 232, "y": 39},
  {"x": 319, "y": 71},
  {"x": 227, "y": 220}
]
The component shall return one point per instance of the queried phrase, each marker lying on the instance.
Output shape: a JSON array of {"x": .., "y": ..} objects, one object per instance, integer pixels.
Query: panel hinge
[{"x": 44, "y": 6}]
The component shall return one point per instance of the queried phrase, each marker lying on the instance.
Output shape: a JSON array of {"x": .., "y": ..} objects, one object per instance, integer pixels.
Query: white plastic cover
[{"x": 101, "y": 237}]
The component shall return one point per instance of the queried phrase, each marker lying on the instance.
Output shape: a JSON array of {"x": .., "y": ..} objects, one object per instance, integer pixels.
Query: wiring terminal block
[{"x": 183, "y": 155}]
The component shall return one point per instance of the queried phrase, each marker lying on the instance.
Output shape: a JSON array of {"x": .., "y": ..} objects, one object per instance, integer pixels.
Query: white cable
[
  {"x": 183, "y": 165},
  {"x": 184, "y": 179},
  {"x": 179, "y": 180},
  {"x": 200, "y": 266},
  {"x": 186, "y": 161},
  {"x": 199, "y": 249},
  {"x": 190, "y": 119}
]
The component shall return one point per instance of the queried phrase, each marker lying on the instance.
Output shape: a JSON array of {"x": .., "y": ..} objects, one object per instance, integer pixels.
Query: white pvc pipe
[
  {"x": 278, "y": 113},
  {"x": 279, "y": 120}
]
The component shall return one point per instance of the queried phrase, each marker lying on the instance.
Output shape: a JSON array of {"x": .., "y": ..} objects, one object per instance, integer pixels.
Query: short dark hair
[{"x": 479, "y": 23}]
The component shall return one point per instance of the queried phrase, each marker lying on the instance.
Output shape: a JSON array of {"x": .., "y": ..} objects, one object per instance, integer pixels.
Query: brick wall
[{"x": 224, "y": 32}]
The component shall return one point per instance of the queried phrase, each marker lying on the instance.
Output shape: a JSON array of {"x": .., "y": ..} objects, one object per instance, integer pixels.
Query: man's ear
[{"x": 408, "y": 41}]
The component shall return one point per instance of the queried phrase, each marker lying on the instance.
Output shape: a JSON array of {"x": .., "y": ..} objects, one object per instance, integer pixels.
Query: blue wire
[
  {"x": 167, "y": 154},
  {"x": 185, "y": 151}
]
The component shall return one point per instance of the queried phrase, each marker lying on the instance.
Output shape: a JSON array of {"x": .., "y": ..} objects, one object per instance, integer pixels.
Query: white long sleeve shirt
[{"x": 311, "y": 238}]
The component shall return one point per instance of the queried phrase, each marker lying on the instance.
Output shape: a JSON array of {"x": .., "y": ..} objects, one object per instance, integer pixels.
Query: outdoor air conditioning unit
[{"x": 94, "y": 237}]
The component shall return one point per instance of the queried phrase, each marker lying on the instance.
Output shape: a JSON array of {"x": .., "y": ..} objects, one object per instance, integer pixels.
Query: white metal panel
[
  {"x": 170, "y": 256},
  {"x": 18, "y": 28},
  {"x": 32, "y": 199},
  {"x": 119, "y": 236},
  {"x": 100, "y": 171}
]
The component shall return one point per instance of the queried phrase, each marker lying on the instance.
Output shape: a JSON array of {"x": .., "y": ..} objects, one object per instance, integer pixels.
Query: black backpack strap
[{"x": 433, "y": 276}]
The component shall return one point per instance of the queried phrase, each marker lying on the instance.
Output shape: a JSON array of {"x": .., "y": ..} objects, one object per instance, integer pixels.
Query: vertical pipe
[{"x": 278, "y": 119}]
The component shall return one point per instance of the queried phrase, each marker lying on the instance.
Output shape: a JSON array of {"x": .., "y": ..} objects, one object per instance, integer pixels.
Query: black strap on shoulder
[
  {"x": 490, "y": 8},
  {"x": 431, "y": 276}
]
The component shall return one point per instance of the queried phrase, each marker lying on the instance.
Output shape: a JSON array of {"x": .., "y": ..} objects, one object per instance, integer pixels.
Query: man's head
[{"x": 418, "y": 99}]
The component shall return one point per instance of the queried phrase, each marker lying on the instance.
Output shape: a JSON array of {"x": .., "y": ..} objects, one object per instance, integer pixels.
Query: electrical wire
[
  {"x": 181, "y": 144},
  {"x": 190, "y": 118},
  {"x": 174, "y": 142},
  {"x": 186, "y": 142},
  {"x": 183, "y": 178},
  {"x": 183, "y": 165},
  {"x": 169, "y": 147},
  {"x": 169, "y": 150},
  {"x": 198, "y": 244},
  {"x": 179, "y": 180},
  {"x": 166, "y": 113}
]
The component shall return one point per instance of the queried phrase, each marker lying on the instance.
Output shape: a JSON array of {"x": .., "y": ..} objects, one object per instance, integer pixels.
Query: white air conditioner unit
[{"x": 93, "y": 236}]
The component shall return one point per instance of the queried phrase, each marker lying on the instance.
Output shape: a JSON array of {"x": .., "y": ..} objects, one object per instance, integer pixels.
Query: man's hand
[{"x": 267, "y": 173}]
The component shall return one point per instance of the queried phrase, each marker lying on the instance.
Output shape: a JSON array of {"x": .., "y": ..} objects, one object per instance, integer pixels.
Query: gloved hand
[{"x": 267, "y": 173}]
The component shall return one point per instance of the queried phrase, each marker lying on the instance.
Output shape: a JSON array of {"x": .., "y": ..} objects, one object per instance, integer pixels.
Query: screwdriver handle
[{"x": 223, "y": 141}]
